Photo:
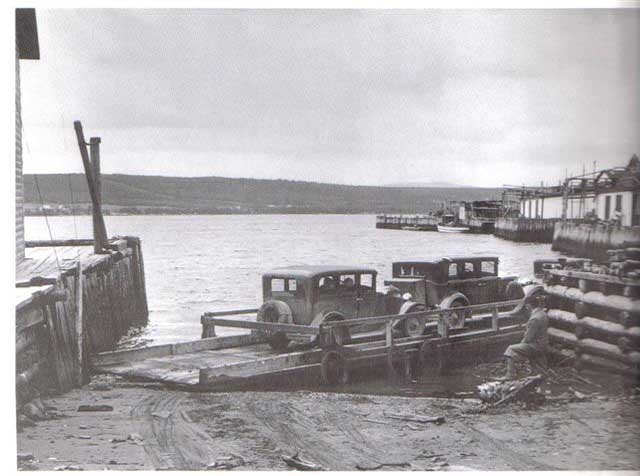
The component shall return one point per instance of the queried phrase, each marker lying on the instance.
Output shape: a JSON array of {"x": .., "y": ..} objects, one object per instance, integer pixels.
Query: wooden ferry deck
[{"x": 245, "y": 361}]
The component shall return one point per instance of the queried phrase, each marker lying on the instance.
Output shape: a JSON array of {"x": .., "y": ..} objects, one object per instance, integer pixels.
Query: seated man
[{"x": 534, "y": 343}]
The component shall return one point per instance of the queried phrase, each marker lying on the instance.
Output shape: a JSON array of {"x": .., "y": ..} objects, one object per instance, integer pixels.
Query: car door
[
  {"x": 325, "y": 290},
  {"x": 347, "y": 295},
  {"x": 366, "y": 298}
]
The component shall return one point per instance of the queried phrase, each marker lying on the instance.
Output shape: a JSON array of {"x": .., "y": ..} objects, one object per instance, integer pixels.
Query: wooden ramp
[
  {"x": 224, "y": 359},
  {"x": 244, "y": 362}
]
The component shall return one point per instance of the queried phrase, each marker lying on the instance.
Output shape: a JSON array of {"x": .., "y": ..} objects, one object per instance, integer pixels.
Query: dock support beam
[
  {"x": 100, "y": 235},
  {"x": 99, "y": 229}
]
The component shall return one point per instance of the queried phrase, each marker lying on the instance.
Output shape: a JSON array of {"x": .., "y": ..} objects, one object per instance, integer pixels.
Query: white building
[{"x": 612, "y": 194}]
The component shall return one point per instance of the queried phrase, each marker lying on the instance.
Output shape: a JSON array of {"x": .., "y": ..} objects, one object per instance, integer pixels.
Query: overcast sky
[{"x": 360, "y": 97}]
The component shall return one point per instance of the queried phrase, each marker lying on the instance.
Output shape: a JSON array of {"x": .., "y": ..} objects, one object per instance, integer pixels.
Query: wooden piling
[{"x": 104, "y": 296}]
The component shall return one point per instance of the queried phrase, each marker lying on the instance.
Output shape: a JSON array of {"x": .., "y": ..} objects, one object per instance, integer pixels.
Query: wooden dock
[
  {"x": 533, "y": 230},
  {"x": 58, "y": 329}
]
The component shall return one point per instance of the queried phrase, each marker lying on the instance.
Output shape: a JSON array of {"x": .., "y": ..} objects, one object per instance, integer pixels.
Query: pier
[
  {"x": 593, "y": 240},
  {"x": 408, "y": 222},
  {"x": 531, "y": 230},
  {"x": 72, "y": 303}
]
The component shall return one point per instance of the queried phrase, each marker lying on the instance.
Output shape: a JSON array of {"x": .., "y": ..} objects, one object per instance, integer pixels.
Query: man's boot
[{"x": 512, "y": 372}]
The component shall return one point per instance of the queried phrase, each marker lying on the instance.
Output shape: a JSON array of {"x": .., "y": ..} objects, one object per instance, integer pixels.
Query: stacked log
[{"x": 594, "y": 313}]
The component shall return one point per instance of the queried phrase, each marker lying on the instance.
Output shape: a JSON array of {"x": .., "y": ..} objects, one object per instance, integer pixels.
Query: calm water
[{"x": 195, "y": 264}]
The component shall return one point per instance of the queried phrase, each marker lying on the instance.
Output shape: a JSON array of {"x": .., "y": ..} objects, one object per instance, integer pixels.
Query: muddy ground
[{"x": 151, "y": 427}]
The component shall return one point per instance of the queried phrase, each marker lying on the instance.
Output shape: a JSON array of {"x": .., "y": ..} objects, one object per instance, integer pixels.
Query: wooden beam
[
  {"x": 104, "y": 359},
  {"x": 421, "y": 314},
  {"x": 79, "y": 324},
  {"x": 89, "y": 173},
  {"x": 230, "y": 313},
  {"x": 99, "y": 230},
  {"x": 57, "y": 243},
  {"x": 264, "y": 326}
]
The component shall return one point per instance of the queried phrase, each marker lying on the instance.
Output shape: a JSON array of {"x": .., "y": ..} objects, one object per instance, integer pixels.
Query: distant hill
[
  {"x": 427, "y": 185},
  {"x": 146, "y": 194}
]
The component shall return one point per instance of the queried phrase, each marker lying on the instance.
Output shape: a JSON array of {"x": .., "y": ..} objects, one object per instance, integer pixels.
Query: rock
[
  {"x": 68, "y": 467},
  {"x": 117, "y": 440},
  {"x": 83, "y": 437},
  {"x": 161, "y": 414},
  {"x": 134, "y": 437}
]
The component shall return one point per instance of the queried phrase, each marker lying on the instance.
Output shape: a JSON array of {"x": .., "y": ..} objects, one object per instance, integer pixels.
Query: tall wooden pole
[
  {"x": 100, "y": 238},
  {"x": 88, "y": 171}
]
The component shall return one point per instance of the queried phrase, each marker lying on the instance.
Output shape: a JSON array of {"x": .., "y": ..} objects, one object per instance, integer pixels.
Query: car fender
[
  {"x": 327, "y": 315},
  {"x": 532, "y": 290},
  {"x": 451, "y": 298},
  {"x": 408, "y": 306}
]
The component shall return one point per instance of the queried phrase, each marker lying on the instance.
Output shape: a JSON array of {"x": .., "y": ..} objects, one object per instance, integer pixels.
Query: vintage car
[
  {"x": 311, "y": 295},
  {"x": 454, "y": 282}
]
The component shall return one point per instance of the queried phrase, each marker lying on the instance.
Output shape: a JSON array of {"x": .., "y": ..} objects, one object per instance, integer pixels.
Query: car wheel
[
  {"x": 333, "y": 369},
  {"x": 413, "y": 326},
  {"x": 457, "y": 318}
]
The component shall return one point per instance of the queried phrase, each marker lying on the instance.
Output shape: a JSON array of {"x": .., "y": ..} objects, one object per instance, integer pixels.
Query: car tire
[
  {"x": 458, "y": 319},
  {"x": 276, "y": 312},
  {"x": 333, "y": 369},
  {"x": 413, "y": 326}
]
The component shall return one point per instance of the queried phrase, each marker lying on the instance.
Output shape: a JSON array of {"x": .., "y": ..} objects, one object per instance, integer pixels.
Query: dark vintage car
[
  {"x": 454, "y": 282},
  {"x": 311, "y": 295}
]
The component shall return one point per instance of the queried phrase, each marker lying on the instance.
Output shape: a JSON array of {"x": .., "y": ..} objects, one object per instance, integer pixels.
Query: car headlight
[{"x": 407, "y": 296}]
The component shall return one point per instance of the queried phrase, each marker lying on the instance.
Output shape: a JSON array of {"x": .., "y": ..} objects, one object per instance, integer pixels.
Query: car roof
[
  {"x": 450, "y": 258},
  {"x": 308, "y": 271}
]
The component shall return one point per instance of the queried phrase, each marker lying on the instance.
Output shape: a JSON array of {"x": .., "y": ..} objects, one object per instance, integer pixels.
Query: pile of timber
[{"x": 594, "y": 313}]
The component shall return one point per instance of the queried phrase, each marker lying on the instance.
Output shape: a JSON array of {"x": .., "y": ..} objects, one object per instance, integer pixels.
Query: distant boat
[{"x": 453, "y": 229}]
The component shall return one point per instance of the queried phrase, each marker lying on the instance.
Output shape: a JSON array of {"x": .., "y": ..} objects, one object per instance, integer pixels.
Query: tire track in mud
[
  {"x": 315, "y": 439},
  {"x": 515, "y": 461},
  {"x": 170, "y": 440}
]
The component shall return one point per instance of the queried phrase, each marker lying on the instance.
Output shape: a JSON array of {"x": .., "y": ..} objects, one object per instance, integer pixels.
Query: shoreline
[{"x": 154, "y": 427}]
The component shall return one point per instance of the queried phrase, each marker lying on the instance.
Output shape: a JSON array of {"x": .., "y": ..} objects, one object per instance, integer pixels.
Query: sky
[{"x": 363, "y": 97}]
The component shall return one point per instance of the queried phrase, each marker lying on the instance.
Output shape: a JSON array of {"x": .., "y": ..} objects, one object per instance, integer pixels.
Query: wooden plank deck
[
  {"x": 184, "y": 369},
  {"x": 42, "y": 262}
]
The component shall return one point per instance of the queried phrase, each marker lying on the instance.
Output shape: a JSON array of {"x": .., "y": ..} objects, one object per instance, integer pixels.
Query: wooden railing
[{"x": 211, "y": 319}]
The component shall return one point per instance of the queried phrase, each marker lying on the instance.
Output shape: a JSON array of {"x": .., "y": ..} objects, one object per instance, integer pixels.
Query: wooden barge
[
  {"x": 408, "y": 222},
  {"x": 246, "y": 361},
  {"x": 72, "y": 303}
]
